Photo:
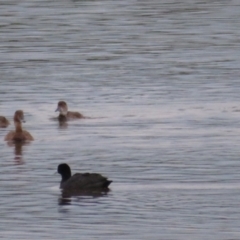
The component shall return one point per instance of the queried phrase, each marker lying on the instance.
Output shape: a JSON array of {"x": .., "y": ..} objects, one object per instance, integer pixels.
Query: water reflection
[
  {"x": 63, "y": 124},
  {"x": 155, "y": 71},
  {"x": 18, "y": 148},
  {"x": 66, "y": 196}
]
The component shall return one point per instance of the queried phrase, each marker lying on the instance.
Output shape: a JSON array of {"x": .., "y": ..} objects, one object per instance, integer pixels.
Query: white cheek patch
[{"x": 63, "y": 111}]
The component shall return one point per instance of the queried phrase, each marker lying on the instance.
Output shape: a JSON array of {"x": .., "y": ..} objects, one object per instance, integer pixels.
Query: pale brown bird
[
  {"x": 19, "y": 135},
  {"x": 3, "y": 122}
]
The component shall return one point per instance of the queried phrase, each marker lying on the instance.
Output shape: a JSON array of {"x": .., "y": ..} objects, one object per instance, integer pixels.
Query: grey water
[{"x": 160, "y": 83}]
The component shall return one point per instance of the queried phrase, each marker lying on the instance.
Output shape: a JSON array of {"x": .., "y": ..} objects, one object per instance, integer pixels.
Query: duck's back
[
  {"x": 10, "y": 136},
  {"x": 18, "y": 136},
  {"x": 86, "y": 181},
  {"x": 27, "y": 136},
  {"x": 74, "y": 115}
]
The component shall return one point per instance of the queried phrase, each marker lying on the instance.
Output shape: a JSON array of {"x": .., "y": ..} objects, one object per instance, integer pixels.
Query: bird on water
[
  {"x": 64, "y": 114},
  {"x": 3, "y": 122},
  {"x": 81, "y": 181},
  {"x": 18, "y": 135}
]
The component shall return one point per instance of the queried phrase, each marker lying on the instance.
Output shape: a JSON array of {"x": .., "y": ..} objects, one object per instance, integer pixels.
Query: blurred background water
[{"x": 160, "y": 81}]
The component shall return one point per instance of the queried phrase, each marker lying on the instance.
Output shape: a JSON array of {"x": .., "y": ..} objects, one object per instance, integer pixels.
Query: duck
[
  {"x": 19, "y": 135},
  {"x": 4, "y": 122},
  {"x": 81, "y": 181},
  {"x": 64, "y": 114}
]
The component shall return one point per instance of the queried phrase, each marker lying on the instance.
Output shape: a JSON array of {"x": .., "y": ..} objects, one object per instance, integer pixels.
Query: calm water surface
[{"x": 160, "y": 81}]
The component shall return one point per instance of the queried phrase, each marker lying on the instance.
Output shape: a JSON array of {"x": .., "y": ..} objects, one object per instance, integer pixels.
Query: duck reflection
[
  {"x": 18, "y": 149},
  {"x": 66, "y": 196},
  {"x": 63, "y": 124}
]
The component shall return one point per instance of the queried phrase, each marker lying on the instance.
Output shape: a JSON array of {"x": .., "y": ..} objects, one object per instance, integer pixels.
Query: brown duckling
[
  {"x": 19, "y": 135},
  {"x": 81, "y": 181},
  {"x": 3, "y": 122},
  {"x": 64, "y": 114}
]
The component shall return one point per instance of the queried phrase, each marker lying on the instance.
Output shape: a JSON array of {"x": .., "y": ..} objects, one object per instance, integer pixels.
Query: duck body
[
  {"x": 19, "y": 135},
  {"x": 16, "y": 136},
  {"x": 74, "y": 115},
  {"x": 64, "y": 114},
  {"x": 81, "y": 181},
  {"x": 4, "y": 122}
]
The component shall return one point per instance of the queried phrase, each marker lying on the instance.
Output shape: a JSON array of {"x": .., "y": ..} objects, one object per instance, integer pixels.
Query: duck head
[{"x": 62, "y": 108}]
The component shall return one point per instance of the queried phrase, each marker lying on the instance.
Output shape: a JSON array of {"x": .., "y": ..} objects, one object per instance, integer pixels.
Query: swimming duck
[
  {"x": 3, "y": 122},
  {"x": 64, "y": 114},
  {"x": 81, "y": 181},
  {"x": 19, "y": 135}
]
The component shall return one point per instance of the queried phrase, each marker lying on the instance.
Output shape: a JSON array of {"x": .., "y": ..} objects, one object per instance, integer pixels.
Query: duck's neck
[
  {"x": 62, "y": 118},
  {"x": 65, "y": 177},
  {"x": 18, "y": 126},
  {"x": 63, "y": 111}
]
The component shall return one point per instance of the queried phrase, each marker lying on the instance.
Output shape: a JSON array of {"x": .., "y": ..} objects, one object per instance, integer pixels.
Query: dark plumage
[{"x": 81, "y": 181}]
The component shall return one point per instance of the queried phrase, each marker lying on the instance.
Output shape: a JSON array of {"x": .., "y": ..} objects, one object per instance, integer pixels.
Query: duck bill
[{"x": 58, "y": 109}]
